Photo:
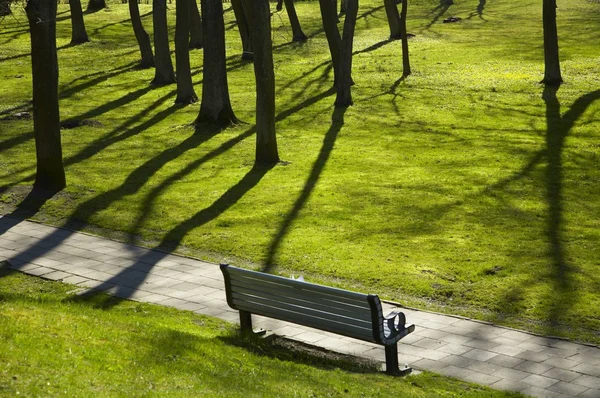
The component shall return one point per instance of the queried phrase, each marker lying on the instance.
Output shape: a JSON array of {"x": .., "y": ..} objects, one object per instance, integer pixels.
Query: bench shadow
[{"x": 290, "y": 350}]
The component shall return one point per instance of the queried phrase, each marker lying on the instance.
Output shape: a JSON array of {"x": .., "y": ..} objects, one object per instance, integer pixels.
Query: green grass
[
  {"x": 54, "y": 343},
  {"x": 458, "y": 189}
]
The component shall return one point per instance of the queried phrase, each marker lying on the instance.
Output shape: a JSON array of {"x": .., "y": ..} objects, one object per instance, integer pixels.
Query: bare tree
[
  {"x": 215, "y": 107},
  {"x": 141, "y": 36},
  {"x": 266, "y": 139},
  {"x": 50, "y": 173},
  {"x": 552, "y": 75}
]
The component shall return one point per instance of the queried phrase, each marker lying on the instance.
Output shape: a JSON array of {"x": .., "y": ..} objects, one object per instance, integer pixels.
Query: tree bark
[
  {"x": 96, "y": 5},
  {"x": 78, "y": 33},
  {"x": 164, "y": 73},
  {"x": 243, "y": 28},
  {"x": 50, "y": 173},
  {"x": 185, "y": 88},
  {"x": 196, "y": 38},
  {"x": 343, "y": 7},
  {"x": 216, "y": 105},
  {"x": 298, "y": 34},
  {"x": 334, "y": 40},
  {"x": 141, "y": 36},
  {"x": 391, "y": 10},
  {"x": 552, "y": 75},
  {"x": 344, "y": 85},
  {"x": 266, "y": 139},
  {"x": 405, "y": 57}
]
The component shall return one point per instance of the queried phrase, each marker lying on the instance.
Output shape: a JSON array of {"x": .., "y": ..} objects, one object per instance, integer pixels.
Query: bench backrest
[{"x": 326, "y": 308}]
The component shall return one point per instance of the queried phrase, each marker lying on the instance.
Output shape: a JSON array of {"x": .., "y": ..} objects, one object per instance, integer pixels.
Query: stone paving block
[
  {"x": 39, "y": 271},
  {"x": 56, "y": 275},
  {"x": 587, "y": 381},
  {"x": 561, "y": 374},
  {"x": 432, "y": 354},
  {"x": 567, "y": 388},
  {"x": 430, "y": 365},
  {"x": 559, "y": 352},
  {"x": 530, "y": 346},
  {"x": 481, "y": 344},
  {"x": 560, "y": 363},
  {"x": 74, "y": 279},
  {"x": 533, "y": 356},
  {"x": 457, "y": 360},
  {"x": 539, "y": 381},
  {"x": 455, "y": 349},
  {"x": 506, "y": 361},
  {"x": 217, "y": 284},
  {"x": 469, "y": 375},
  {"x": 479, "y": 355},
  {"x": 188, "y": 286},
  {"x": 425, "y": 332},
  {"x": 288, "y": 331},
  {"x": 228, "y": 316},
  {"x": 483, "y": 367},
  {"x": 309, "y": 337},
  {"x": 583, "y": 357},
  {"x": 154, "y": 298},
  {"x": 455, "y": 338},
  {"x": 539, "y": 393},
  {"x": 428, "y": 343},
  {"x": 506, "y": 350},
  {"x": 432, "y": 324},
  {"x": 592, "y": 393},
  {"x": 516, "y": 335},
  {"x": 24, "y": 267},
  {"x": 587, "y": 369},
  {"x": 191, "y": 307},
  {"x": 511, "y": 374},
  {"x": 533, "y": 367}
]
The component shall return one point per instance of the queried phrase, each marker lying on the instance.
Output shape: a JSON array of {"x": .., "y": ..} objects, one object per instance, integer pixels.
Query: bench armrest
[{"x": 396, "y": 324}]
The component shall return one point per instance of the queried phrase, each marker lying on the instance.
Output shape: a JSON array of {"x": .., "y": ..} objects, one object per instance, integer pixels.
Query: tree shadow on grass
[
  {"x": 439, "y": 11},
  {"x": 337, "y": 121},
  {"x": 33, "y": 202}
]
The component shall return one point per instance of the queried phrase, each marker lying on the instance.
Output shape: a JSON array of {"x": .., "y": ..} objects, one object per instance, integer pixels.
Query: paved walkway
[{"x": 498, "y": 357}]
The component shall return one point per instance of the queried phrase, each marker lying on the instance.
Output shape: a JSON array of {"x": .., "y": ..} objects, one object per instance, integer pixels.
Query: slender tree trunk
[
  {"x": 294, "y": 22},
  {"x": 391, "y": 10},
  {"x": 552, "y": 74},
  {"x": 50, "y": 173},
  {"x": 334, "y": 40},
  {"x": 78, "y": 33},
  {"x": 405, "y": 57},
  {"x": 196, "y": 38},
  {"x": 243, "y": 28},
  {"x": 216, "y": 105},
  {"x": 266, "y": 139},
  {"x": 344, "y": 85},
  {"x": 142, "y": 37},
  {"x": 95, "y": 5},
  {"x": 185, "y": 88},
  {"x": 343, "y": 7},
  {"x": 164, "y": 73}
]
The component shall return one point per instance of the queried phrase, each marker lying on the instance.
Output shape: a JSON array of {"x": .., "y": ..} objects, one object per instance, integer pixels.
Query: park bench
[{"x": 339, "y": 311}]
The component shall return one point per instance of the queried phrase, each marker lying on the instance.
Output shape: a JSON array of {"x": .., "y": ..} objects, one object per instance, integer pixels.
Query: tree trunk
[
  {"x": 344, "y": 85},
  {"x": 343, "y": 7},
  {"x": 142, "y": 37},
  {"x": 552, "y": 74},
  {"x": 185, "y": 88},
  {"x": 391, "y": 10},
  {"x": 294, "y": 22},
  {"x": 243, "y": 28},
  {"x": 405, "y": 58},
  {"x": 164, "y": 73},
  {"x": 50, "y": 173},
  {"x": 266, "y": 139},
  {"x": 78, "y": 33},
  {"x": 95, "y": 5},
  {"x": 196, "y": 38},
  {"x": 216, "y": 106},
  {"x": 334, "y": 41}
]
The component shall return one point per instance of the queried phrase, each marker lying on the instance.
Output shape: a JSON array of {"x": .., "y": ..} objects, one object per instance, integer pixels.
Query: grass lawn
[
  {"x": 55, "y": 343},
  {"x": 464, "y": 188}
]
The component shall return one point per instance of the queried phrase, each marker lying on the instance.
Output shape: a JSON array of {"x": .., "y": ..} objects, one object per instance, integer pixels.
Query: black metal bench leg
[
  {"x": 391, "y": 362},
  {"x": 246, "y": 324}
]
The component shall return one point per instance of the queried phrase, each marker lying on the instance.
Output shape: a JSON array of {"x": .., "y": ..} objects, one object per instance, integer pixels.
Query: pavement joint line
[{"x": 454, "y": 345}]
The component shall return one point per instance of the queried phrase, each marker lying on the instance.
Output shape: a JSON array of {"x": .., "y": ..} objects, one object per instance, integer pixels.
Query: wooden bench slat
[
  {"x": 290, "y": 316},
  {"x": 294, "y": 297},
  {"x": 240, "y": 298},
  {"x": 304, "y": 286}
]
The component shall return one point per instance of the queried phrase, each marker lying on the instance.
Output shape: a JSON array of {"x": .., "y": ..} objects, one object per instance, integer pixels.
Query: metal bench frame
[{"x": 339, "y": 311}]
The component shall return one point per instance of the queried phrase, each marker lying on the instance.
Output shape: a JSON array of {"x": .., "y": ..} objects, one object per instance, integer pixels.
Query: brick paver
[{"x": 474, "y": 351}]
